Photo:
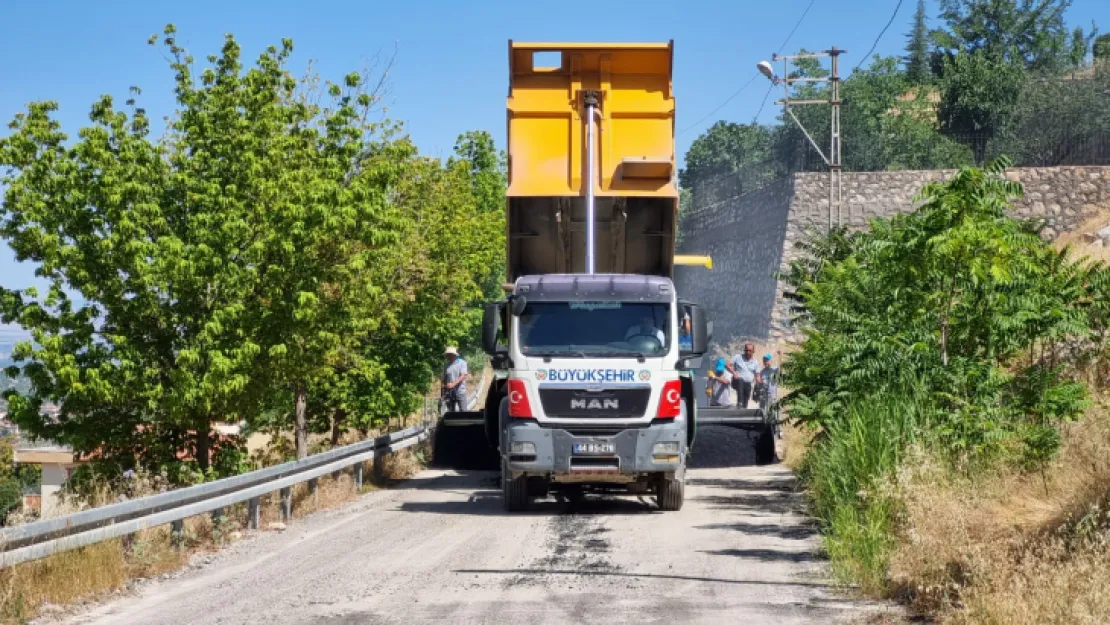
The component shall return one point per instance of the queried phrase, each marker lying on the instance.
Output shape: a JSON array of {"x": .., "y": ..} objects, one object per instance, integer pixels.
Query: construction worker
[
  {"x": 745, "y": 374},
  {"x": 768, "y": 390},
  {"x": 454, "y": 381},
  {"x": 719, "y": 385}
]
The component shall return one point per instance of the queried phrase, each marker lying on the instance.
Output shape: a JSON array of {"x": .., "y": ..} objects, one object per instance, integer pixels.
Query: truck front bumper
[{"x": 657, "y": 449}]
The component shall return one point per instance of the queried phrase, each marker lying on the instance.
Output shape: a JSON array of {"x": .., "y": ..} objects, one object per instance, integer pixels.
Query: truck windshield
[{"x": 594, "y": 329}]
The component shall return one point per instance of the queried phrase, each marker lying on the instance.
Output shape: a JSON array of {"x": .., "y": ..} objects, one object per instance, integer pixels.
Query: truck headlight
[
  {"x": 669, "y": 447},
  {"x": 522, "y": 447}
]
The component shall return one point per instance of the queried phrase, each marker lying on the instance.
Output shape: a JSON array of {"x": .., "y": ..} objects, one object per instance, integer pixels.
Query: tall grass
[
  {"x": 1006, "y": 545},
  {"x": 848, "y": 469}
]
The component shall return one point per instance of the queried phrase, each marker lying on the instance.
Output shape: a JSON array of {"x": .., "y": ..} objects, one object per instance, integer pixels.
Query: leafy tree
[
  {"x": 1101, "y": 47},
  {"x": 1030, "y": 33},
  {"x": 486, "y": 167},
  {"x": 278, "y": 243},
  {"x": 979, "y": 92},
  {"x": 951, "y": 296},
  {"x": 880, "y": 127},
  {"x": 138, "y": 229},
  {"x": 1057, "y": 121},
  {"x": 725, "y": 148},
  {"x": 917, "y": 47}
]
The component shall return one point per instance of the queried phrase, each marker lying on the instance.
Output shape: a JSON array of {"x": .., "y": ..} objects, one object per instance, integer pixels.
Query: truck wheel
[
  {"x": 513, "y": 491},
  {"x": 670, "y": 494},
  {"x": 765, "y": 447}
]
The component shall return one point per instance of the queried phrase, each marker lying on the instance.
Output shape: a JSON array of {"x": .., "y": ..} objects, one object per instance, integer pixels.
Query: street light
[
  {"x": 765, "y": 68},
  {"x": 833, "y": 159}
]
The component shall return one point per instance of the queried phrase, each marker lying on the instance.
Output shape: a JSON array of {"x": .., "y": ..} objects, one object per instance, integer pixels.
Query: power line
[
  {"x": 764, "y": 103},
  {"x": 750, "y": 80},
  {"x": 710, "y": 114},
  {"x": 796, "y": 25},
  {"x": 881, "y": 33}
]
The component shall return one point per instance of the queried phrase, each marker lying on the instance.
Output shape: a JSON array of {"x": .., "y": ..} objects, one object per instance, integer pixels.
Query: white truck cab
[{"x": 598, "y": 389}]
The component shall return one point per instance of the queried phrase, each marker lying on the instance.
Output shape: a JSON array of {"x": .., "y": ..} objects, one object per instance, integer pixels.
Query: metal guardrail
[{"x": 36, "y": 540}]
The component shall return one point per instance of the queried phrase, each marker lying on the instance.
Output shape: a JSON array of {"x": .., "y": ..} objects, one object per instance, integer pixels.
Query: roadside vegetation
[
  {"x": 950, "y": 391},
  {"x": 949, "y": 358},
  {"x": 278, "y": 254}
]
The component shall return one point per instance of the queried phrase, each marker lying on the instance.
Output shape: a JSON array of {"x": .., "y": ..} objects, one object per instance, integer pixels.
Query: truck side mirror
[
  {"x": 490, "y": 322},
  {"x": 699, "y": 333},
  {"x": 518, "y": 304}
]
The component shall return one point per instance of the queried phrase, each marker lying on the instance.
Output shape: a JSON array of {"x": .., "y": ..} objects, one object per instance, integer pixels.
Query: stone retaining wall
[{"x": 752, "y": 236}]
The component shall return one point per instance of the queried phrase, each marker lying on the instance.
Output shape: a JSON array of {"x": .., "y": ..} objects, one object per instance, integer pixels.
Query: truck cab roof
[{"x": 601, "y": 287}]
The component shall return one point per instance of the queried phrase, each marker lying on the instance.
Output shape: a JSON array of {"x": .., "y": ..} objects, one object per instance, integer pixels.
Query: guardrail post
[
  {"x": 286, "y": 504},
  {"x": 177, "y": 533},
  {"x": 359, "y": 468},
  {"x": 313, "y": 484},
  {"x": 254, "y": 513},
  {"x": 377, "y": 468},
  {"x": 217, "y": 515}
]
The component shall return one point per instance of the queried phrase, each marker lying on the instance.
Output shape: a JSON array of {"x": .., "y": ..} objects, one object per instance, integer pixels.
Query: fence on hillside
[{"x": 1052, "y": 147}]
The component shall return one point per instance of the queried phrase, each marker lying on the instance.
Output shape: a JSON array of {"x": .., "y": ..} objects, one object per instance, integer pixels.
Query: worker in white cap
[{"x": 454, "y": 380}]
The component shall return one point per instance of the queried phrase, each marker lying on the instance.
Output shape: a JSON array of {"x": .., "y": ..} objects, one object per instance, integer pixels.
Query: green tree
[
  {"x": 453, "y": 242},
  {"x": 1031, "y": 33},
  {"x": 1101, "y": 48},
  {"x": 880, "y": 126},
  {"x": 486, "y": 167},
  {"x": 277, "y": 243},
  {"x": 952, "y": 297},
  {"x": 917, "y": 47},
  {"x": 725, "y": 148},
  {"x": 137, "y": 228},
  {"x": 1057, "y": 121},
  {"x": 979, "y": 92}
]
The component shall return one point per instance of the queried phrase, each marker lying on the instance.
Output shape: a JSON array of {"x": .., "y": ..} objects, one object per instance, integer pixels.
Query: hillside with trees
[{"x": 994, "y": 77}]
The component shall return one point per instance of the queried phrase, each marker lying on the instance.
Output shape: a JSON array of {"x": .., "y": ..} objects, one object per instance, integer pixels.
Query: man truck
[{"x": 592, "y": 345}]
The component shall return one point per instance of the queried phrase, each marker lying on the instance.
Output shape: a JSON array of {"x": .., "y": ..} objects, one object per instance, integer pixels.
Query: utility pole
[{"x": 833, "y": 159}]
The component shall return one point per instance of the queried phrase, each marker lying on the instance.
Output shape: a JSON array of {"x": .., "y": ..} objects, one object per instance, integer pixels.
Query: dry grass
[
  {"x": 72, "y": 577},
  {"x": 795, "y": 444},
  {"x": 1081, "y": 240},
  {"x": 84, "y": 575},
  {"x": 1011, "y": 548},
  {"x": 27, "y": 588}
]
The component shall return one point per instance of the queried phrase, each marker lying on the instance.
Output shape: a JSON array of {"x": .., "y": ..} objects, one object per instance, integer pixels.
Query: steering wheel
[{"x": 645, "y": 343}]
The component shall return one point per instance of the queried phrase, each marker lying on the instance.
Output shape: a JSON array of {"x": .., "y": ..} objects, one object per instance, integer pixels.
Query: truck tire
[
  {"x": 670, "y": 494},
  {"x": 765, "y": 447},
  {"x": 513, "y": 491}
]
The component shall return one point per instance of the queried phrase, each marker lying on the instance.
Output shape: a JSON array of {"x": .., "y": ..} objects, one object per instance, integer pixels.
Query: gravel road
[{"x": 439, "y": 549}]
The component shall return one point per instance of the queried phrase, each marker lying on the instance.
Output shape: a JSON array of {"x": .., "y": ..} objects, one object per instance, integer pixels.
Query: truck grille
[{"x": 609, "y": 404}]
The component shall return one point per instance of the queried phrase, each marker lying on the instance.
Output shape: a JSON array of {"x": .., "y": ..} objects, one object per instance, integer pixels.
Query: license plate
[{"x": 594, "y": 448}]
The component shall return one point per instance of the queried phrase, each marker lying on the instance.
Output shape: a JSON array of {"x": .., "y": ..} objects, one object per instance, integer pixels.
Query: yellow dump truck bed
[{"x": 634, "y": 159}]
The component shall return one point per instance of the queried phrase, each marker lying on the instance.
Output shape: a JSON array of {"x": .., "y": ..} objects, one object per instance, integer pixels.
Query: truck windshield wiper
[
  {"x": 640, "y": 356},
  {"x": 570, "y": 353}
]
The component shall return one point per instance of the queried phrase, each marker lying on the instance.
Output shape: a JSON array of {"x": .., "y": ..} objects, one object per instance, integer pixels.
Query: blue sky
[{"x": 450, "y": 69}]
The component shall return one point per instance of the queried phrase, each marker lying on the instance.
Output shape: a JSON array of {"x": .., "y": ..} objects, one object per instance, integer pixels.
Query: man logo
[{"x": 595, "y": 404}]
